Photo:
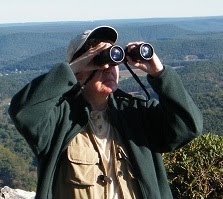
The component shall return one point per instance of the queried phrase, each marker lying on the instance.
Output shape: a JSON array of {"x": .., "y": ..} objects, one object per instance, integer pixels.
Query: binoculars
[{"x": 116, "y": 54}]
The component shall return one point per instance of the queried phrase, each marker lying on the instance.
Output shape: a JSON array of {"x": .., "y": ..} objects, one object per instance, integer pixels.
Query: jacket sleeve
[
  {"x": 175, "y": 120},
  {"x": 34, "y": 109}
]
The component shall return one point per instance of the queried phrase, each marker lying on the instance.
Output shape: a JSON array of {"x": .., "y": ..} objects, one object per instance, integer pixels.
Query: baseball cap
[{"x": 100, "y": 32}]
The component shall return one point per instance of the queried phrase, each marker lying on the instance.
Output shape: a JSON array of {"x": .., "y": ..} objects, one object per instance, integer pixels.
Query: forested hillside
[
  {"x": 194, "y": 47},
  {"x": 38, "y": 46}
]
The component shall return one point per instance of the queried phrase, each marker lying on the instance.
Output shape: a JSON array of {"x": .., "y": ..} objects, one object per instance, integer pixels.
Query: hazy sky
[{"x": 74, "y": 10}]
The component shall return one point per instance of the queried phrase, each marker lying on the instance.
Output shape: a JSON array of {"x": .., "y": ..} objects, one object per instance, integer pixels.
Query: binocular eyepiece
[{"x": 115, "y": 54}]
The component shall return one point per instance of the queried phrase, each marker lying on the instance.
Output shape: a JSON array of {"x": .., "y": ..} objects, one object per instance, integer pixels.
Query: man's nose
[
  {"x": 107, "y": 66},
  {"x": 110, "y": 66}
]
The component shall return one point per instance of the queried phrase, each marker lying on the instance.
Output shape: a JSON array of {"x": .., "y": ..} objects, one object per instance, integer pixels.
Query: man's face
[{"x": 105, "y": 80}]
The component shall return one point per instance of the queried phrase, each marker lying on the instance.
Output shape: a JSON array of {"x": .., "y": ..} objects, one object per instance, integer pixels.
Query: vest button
[
  {"x": 105, "y": 179},
  {"x": 120, "y": 173}
]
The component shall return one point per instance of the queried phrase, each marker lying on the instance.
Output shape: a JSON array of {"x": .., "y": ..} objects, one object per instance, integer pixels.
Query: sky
[{"x": 21, "y": 11}]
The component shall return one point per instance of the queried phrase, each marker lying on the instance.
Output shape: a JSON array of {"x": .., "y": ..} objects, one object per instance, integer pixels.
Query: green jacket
[{"x": 49, "y": 114}]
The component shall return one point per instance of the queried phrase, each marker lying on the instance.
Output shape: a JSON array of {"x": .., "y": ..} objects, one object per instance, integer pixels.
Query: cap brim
[
  {"x": 104, "y": 33},
  {"x": 100, "y": 32}
]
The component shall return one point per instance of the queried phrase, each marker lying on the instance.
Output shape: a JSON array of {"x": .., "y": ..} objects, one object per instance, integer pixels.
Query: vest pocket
[{"x": 82, "y": 166}]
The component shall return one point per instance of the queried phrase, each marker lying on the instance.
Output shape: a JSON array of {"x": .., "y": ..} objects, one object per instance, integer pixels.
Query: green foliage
[
  {"x": 11, "y": 83},
  {"x": 17, "y": 162},
  {"x": 196, "y": 170},
  {"x": 203, "y": 80},
  {"x": 15, "y": 170}
]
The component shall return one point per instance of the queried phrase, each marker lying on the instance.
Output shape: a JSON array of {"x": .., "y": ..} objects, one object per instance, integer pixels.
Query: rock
[{"x": 9, "y": 193}]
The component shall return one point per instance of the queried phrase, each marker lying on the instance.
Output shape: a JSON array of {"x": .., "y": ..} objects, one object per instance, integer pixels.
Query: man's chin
[
  {"x": 111, "y": 84},
  {"x": 110, "y": 89}
]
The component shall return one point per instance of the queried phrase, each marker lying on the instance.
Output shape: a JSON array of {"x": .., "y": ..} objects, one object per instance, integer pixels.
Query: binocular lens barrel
[
  {"x": 113, "y": 55},
  {"x": 143, "y": 51}
]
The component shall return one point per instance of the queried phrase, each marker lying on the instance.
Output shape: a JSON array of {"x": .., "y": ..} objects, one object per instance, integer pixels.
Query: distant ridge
[
  {"x": 155, "y": 19},
  {"x": 33, "y": 44}
]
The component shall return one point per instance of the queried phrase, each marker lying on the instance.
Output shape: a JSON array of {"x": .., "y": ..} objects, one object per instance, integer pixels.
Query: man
[{"x": 93, "y": 140}]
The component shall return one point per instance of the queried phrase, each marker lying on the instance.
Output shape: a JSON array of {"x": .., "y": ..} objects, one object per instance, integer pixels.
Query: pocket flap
[{"x": 82, "y": 155}]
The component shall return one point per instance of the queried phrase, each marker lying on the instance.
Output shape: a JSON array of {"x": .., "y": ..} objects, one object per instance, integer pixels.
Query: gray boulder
[{"x": 9, "y": 193}]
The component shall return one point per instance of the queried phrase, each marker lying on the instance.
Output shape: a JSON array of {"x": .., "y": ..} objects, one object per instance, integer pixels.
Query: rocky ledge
[{"x": 9, "y": 193}]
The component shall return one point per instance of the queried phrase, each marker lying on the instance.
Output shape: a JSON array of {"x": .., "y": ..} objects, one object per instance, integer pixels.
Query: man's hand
[
  {"x": 153, "y": 66},
  {"x": 85, "y": 62}
]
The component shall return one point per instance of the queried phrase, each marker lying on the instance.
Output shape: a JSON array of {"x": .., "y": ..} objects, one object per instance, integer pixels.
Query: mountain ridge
[{"x": 19, "y": 43}]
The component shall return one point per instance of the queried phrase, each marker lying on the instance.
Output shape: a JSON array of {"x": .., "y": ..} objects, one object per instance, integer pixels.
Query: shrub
[
  {"x": 15, "y": 171},
  {"x": 196, "y": 170}
]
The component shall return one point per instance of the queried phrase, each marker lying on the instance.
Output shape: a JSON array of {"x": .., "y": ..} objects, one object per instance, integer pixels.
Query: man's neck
[
  {"x": 97, "y": 102},
  {"x": 99, "y": 106}
]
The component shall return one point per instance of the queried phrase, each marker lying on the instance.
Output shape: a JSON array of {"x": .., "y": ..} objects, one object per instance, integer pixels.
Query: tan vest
[{"x": 83, "y": 174}]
